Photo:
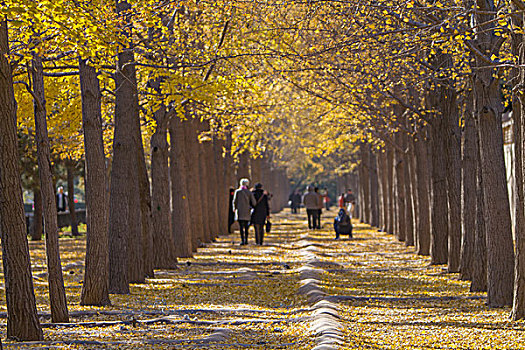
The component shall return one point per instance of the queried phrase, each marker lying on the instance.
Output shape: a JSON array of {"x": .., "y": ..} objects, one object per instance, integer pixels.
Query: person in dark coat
[
  {"x": 320, "y": 206},
  {"x": 61, "y": 200},
  {"x": 260, "y": 213},
  {"x": 342, "y": 224},
  {"x": 295, "y": 201},
  {"x": 311, "y": 203},
  {"x": 231, "y": 213}
]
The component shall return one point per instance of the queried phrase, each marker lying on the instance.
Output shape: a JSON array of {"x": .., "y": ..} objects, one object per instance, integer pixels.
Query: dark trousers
[
  {"x": 313, "y": 215},
  {"x": 244, "y": 226},
  {"x": 318, "y": 224},
  {"x": 259, "y": 233}
]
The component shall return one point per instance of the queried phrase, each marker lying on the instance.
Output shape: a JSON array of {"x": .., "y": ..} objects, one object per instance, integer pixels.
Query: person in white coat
[{"x": 243, "y": 202}]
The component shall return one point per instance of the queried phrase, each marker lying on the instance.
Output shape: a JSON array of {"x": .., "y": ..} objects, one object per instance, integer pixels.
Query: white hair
[{"x": 244, "y": 182}]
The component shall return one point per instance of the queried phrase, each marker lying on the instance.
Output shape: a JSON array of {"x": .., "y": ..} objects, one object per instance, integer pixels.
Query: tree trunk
[
  {"x": 500, "y": 257},
  {"x": 124, "y": 200},
  {"x": 453, "y": 164},
  {"x": 57, "y": 292},
  {"x": 243, "y": 167},
  {"x": 487, "y": 110},
  {"x": 383, "y": 198},
  {"x": 136, "y": 273},
  {"x": 146, "y": 245},
  {"x": 439, "y": 204},
  {"x": 518, "y": 114},
  {"x": 374, "y": 190},
  {"x": 95, "y": 289},
  {"x": 479, "y": 264},
  {"x": 255, "y": 170},
  {"x": 22, "y": 317},
  {"x": 160, "y": 189},
  {"x": 181, "y": 220},
  {"x": 468, "y": 210},
  {"x": 518, "y": 306},
  {"x": 211, "y": 192},
  {"x": 204, "y": 182},
  {"x": 70, "y": 168},
  {"x": 365, "y": 174},
  {"x": 390, "y": 189},
  {"x": 37, "y": 231},
  {"x": 422, "y": 171},
  {"x": 409, "y": 200},
  {"x": 400, "y": 190},
  {"x": 197, "y": 212},
  {"x": 413, "y": 187},
  {"x": 222, "y": 188}
]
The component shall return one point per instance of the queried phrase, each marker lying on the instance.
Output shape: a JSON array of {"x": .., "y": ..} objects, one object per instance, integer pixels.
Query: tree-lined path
[
  {"x": 376, "y": 293},
  {"x": 155, "y": 116}
]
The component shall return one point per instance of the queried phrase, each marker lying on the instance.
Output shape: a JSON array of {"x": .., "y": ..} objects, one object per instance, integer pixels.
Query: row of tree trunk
[
  {"x": 140, "y": 225},
  {"x": 442, "y": 189}
]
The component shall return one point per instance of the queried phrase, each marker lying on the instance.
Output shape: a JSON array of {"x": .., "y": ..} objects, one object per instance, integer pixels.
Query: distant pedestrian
[
  {"x": 326, "y": 199},
  {"x": 350, "y": 202},
  {"x": 320, "y": 206},
  {"x": 231, "y": 213},
  {"x": 343, "y": 224},
  {"x": 243, "y": 202},
  {"x": 260, "y": 213},
  {"x": 311, "y": 203},
  {"x": 61, "y": 200},
  {"x": 341, "y": 200},
  {"x": 295, "y": 201}
]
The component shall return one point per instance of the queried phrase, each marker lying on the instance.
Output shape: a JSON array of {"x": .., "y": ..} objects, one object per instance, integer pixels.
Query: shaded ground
[{"x": 246, "y": 297}]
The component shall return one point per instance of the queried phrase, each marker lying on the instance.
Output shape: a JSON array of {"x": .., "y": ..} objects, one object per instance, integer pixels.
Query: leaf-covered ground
[{"x": 246, "y": 297}]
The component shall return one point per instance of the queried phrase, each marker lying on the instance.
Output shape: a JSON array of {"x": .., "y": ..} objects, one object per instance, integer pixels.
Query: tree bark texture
[
  {"x": 487, "y": 110},
  {"x": 57, "y": 292},
  {"x": 212, "y": 193},
  {"x": 148, "y": 256},
  {"x": 374, "y": 190},
  {"x": 409, "y": 201},
  {"x": 222, "y": 187},
  {"x": 255, "y": 170},
  {"x": 365, "y": 175},
  {"x": 204, "y": 182},
  {"x": 423, "y": 176},
  {"x": 453, "y": 165},
  {"x": 70, "y": 169},
  {"x": 22, "y": 317},
  {"x": 468, "y": 198},
  {"x": 390, "y": 189},
  {"x": 197, "y": 212},
  {"x": 500, "y": 257},
  {"x": 243, "y": 167},
  {"x": 181, "y": 220},
  {"x": 400, "y": 190},
  {"x": 518, "y": 113},
  {"x": 383, "y": 198},
  {"x": 136, "y": 272},
  {"x": 163, "y": 243},
  {"x": 479, "y": 264},
  {"x": 37, "y": 229},
  {"x": 518, "y": 305},
  {"x": 95, "y": 289},
  {"x": 439, "y": 203},
  {"x": 124, "y": 182},
  {"x": 411, "y": 156}
]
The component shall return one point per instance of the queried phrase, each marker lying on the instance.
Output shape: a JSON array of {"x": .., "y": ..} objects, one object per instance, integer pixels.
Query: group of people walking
[
  {"x": 250, "y": 207},
  {"x": 313, "y": 201}
]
